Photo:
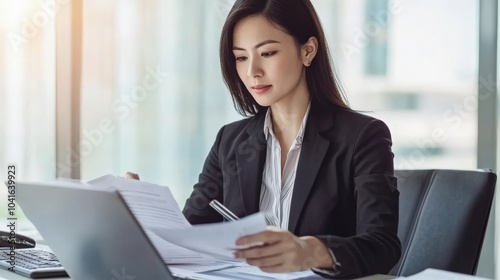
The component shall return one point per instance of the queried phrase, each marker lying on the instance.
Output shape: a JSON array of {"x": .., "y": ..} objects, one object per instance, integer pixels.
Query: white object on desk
[
  {"x": 437, "y": 274},
  {"x": 218, "y": 239},
  {"x": 236, "y": 270}
]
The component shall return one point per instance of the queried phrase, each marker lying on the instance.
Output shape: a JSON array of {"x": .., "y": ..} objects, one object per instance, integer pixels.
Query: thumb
[{"x": 130, "y": 175}]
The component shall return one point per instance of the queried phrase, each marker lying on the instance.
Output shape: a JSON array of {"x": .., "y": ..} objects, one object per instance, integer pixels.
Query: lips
[{"x": 259, "y": 89}]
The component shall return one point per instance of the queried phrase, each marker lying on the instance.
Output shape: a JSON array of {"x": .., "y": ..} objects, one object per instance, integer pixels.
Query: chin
[
  {"x": 264, "y": 103},
  {"x": 264, "y": 100}
]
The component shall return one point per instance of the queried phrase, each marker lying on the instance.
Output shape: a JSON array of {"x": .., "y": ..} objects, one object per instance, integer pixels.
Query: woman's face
[{"x": 268, "y": 62}]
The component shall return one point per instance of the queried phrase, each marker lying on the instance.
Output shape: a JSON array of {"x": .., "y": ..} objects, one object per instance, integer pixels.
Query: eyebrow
[{"x": 258, "y": 45}]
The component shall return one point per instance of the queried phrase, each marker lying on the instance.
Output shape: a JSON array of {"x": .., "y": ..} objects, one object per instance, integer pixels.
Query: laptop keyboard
[{"x": 34, "y": 263}]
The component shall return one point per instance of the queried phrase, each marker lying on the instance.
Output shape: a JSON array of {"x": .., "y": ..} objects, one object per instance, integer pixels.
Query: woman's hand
[
  {"x": 284, "y": 252},
  {"x": 130, "y": 175}
]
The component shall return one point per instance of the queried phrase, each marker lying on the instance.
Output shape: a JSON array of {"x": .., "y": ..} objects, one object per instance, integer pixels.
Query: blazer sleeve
[
  {"x": 197, "y": 209},
  {"x": 376, "y": 247}
]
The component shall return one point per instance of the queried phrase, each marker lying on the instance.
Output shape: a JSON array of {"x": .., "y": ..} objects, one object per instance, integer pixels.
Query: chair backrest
[{"x": 442, "y": 219}]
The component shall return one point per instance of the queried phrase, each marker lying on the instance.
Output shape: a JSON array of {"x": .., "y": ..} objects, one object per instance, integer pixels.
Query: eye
[
  {"x": 241, "y": 58},
  {"x": 268, "y": 54}
]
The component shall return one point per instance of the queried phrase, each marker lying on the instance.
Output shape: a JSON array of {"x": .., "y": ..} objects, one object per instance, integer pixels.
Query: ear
[{"x": 308, "y": 51}]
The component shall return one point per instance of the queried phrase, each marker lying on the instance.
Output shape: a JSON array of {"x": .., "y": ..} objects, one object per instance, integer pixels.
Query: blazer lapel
[
  {"x": 313, "y": 150},
  {"x": 250, "y": 154}
]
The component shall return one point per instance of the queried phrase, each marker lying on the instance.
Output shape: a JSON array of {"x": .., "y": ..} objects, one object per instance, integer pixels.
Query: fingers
[
  {"x": 272, "y": 258},
  {"x": 259, "y": 251},
  {"x": 266, "y": 262},
  {"x": 130, "y": 175},
  {"x": 281, "y": 268},
  {"x": 266, "y": 237},
  {"x": 282, "y": 251}
]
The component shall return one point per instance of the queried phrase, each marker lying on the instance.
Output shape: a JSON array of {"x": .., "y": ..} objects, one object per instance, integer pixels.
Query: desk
[{"x": 13, "y": 276}]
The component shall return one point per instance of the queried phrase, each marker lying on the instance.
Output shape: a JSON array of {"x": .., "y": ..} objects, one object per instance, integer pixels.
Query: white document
[
  {"x": 151, "y": 204},
  {"x": 199, "y": 268},
  {"x": 235, "y": 270},
  {"x": 254, "y": 272},
  {"x": 437, "y": 274},
  {"x": 154, "y": 205},
  {"x": 218, "y": 239}
]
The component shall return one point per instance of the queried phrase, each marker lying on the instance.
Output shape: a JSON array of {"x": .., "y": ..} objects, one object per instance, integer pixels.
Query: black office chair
[{"x": 442, "y": 219}]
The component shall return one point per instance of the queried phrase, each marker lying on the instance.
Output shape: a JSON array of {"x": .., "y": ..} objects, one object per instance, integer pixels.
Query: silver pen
[{"x": 226, "y": 213}]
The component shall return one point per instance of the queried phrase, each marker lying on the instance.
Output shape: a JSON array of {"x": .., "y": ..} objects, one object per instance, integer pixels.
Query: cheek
[
  {"x": 287, "y": 69},
  {"x": 240, "y": 69}
]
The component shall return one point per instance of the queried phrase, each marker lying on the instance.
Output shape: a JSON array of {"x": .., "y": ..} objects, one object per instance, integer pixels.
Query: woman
[{"x": 321, "y": 172}]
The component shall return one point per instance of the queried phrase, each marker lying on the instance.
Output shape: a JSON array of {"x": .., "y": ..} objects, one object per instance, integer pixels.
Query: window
[
  {"x": 151, "y": 75},
  {"x": 413, "y": 64},
  {"x": 27, "y": 96}
]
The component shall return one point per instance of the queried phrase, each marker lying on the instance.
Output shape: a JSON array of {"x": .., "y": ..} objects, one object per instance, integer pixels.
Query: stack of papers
[
  {"x": 235, "y": 270},
  {"x": 217, "y": 240}
]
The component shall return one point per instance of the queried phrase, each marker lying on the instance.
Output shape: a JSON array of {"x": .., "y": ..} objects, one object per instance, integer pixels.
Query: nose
[{"x": 254, "y": 68}]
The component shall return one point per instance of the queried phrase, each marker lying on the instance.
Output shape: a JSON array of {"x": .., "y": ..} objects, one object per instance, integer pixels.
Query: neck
[{"x": 287, "y": 118}]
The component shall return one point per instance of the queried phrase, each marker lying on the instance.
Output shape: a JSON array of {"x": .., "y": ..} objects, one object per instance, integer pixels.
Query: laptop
[{"x": 91, "y": 231}]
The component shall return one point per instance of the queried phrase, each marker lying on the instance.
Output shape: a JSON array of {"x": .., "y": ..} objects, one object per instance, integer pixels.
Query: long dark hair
[{"x": 298, "y": 19}]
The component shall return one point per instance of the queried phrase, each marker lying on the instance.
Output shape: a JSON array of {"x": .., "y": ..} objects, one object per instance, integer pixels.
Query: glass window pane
[
  {"x": 151, "y": 75},
  {"x": 27, "y": 97},
  {"x": 413, "y": 64}
]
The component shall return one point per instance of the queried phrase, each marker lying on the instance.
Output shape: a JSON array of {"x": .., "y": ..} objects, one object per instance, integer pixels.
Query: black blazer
[{"x": 344, "y": 192}]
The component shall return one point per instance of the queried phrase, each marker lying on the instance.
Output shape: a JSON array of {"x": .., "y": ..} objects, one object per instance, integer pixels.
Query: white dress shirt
[{"x": 277, "y": 187}]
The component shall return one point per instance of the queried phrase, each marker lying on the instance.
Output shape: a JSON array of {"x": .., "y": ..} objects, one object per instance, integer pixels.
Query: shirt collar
[{"x": 268, "y": 125}]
